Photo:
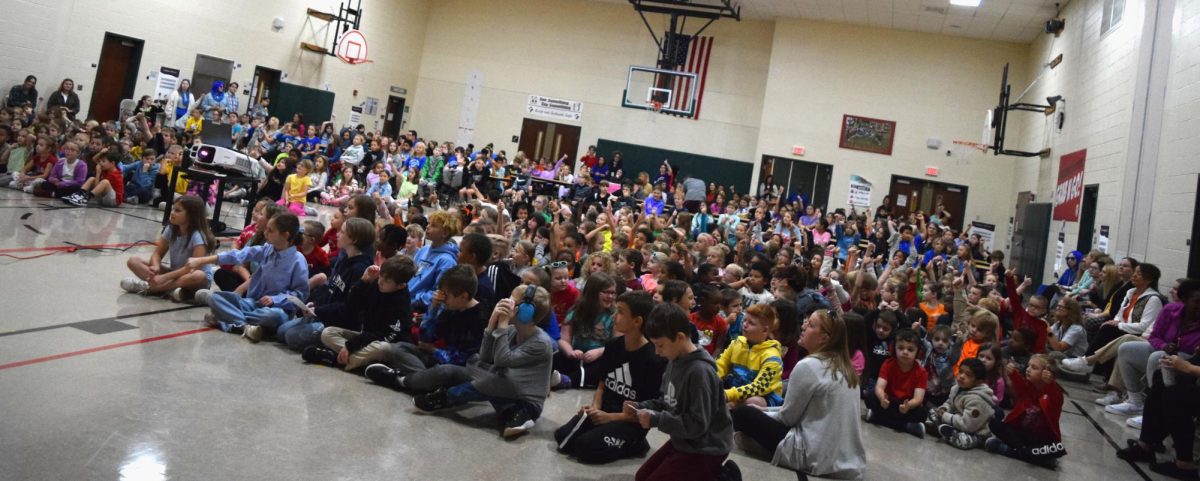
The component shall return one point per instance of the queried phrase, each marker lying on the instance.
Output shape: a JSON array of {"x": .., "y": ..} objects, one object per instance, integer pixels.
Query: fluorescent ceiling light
[{"x": 965, "y": 3}]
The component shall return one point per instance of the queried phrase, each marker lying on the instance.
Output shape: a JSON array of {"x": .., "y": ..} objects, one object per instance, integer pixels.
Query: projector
[{"x": 224, "y": 159}]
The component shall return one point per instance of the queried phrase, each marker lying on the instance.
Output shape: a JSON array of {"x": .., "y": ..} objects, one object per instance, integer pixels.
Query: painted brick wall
[
  {"x": 56, "y": 39},
  {"x": 1178, "y": 162}
]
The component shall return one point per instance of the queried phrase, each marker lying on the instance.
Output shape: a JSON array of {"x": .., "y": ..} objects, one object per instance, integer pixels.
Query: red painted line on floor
[
  {"x": 73, "y": 248},
  {"x": 64, "y": 355}
]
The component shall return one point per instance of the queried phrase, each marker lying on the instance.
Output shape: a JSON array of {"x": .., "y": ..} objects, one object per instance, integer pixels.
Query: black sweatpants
[
  {"x": 600, "y": 443},
  {"x": 582, "y": 375},
  {"x": 892, "y": 417},
  {"x": 1026, "y": 446},
  {"x": 763, "y": 429},
  {"x": 1169, "y": 412}
]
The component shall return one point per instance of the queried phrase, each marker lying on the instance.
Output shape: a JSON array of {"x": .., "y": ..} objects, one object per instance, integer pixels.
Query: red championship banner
[{"x": 1068, "y": 193}]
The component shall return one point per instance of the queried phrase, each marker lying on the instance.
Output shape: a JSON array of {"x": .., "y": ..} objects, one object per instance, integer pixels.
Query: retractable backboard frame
[{"x": 644, "y": 85}]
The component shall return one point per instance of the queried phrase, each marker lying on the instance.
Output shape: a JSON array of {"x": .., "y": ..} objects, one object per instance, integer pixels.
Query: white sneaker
[
  {"x": 1111, "y": 398},
  {"x": 176, "y": 294},
  {"x": 28, "y": 189},
  {"x": 1076, "y": 365},
  {"x": 1134, "y": 422},
  {"x": 201, "y": 297},
  {"x": 252, "y": 333},
  {"x": 134, "y": 285},
  {"x": 1125, "y": 409}
]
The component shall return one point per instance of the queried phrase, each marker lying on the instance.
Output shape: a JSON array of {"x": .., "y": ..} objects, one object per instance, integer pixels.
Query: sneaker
[
  {"x": 866, "y": 415},
  {"x": 319, "y": 355},
  {"x": 1077, "y": 365},
  {"x": 434, "y": 401},
  {"x": 958, "y": 438},
  {"x": 517, "y": 423},
  {"x": 383, "y": 375},
  {"x": 1134, "y": 422},
  {"x": 211, "y": 320},
  {"x": 77, "y": 199},
  {"x": 134, "y": 285},
  {"x": 1109, "y": 399},
  {"x": 1124, "y": 409},
  {"x": 253, "y": 333},
  {"x": 1134, "y": 453},
  {"x": 201, "y": 297},
  {"x": 1171, "y": 470},
  {"x": 133, "y": 199},
  {"x": 946, "y": 431},
  {"x": 178, "y": 295},
  {"x": 236, "y": 329},
  {"x": 915, "y": 429},
  {"x": 995, "y": 445},
  {"x": 729, "y": 472},
  {"x": 559, "y": 381}
]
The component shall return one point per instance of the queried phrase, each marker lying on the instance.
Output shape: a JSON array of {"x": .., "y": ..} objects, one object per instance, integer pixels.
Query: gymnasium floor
[{"x": 99, "y": 384}]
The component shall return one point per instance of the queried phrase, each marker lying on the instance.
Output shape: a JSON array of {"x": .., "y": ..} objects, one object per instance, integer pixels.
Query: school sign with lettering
[{"x": 1068, "y": 194}]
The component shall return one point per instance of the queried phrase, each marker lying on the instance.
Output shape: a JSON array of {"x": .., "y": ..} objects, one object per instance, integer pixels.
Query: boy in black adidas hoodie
[
  {"x": 381, "y": 304},
  {"x": 601, "y": 432},
  {"x": 692, "y": 410}
]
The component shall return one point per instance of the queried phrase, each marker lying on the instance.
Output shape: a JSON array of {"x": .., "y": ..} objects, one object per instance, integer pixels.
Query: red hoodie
[
  {"x": 1021, "y": 318},
  {"x": 1046, "y": 400}
]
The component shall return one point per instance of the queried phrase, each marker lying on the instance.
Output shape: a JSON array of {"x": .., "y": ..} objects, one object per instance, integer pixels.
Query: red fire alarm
[
  {"x": 798, "y": 150},
  {"x": 931, "y": 171}
]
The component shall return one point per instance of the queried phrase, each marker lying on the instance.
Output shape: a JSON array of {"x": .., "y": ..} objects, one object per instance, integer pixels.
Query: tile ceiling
[{"x": 1004, "y": 20}]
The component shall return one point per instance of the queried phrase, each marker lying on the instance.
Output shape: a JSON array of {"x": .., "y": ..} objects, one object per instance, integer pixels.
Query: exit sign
[
  {"x": 931, "y": 171},
  {"x": 798, "y": 150}
]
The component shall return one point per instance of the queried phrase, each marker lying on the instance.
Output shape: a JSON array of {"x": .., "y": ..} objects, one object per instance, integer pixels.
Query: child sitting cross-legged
[
  {"x": 107, "y": 186},
  {"x": 512, "y": 370},
  {"x": 751, "y": 368},
  {"x": 381, "y": 303},
  {"x": 450, "y": 334},
  {"x": 899, "y": 397},
  {"x": 1030, "y": 431},
  {"x": 692, "y": 410},
  {"x": 601, "y": 432},
  {"x": 963, "y": 420},
  {"x": 282, "y": 273}
]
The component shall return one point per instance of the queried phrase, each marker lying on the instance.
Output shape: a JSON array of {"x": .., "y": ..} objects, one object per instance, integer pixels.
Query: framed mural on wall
[{"x": 867, "y": 134}]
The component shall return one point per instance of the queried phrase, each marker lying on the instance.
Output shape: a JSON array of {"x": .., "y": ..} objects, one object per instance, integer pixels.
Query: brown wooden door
[
  {"x": 954, "y": 199},
  {"x": 116, "y": 75},
  {"x": 906, "y": 196},
  {"x": 393, "y": 117},
  {"x": 266, "y": 82},
  {"x": 911, "y": 194},
  {"x": 548, "y": 140}
]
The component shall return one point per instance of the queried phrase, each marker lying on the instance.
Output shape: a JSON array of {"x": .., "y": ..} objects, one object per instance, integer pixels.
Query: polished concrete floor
[{"x": 99, "y": 384}]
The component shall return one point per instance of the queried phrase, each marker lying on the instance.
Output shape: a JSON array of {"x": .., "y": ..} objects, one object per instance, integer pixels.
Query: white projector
[{"x": 222, "y": 158}]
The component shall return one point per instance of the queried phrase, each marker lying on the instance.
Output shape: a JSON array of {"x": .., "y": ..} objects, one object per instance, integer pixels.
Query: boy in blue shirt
[
  {"x": 282, "y": 273},
  {"x": 139, "y": 178}
]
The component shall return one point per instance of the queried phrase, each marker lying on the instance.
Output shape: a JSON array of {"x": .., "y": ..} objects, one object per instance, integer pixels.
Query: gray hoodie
[
  {"x": 969, "y": 411},
  {"x": 692, "y": 410}
]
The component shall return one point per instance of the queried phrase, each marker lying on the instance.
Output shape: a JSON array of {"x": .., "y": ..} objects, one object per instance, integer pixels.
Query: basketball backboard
[{"x": 674, "y": 90}]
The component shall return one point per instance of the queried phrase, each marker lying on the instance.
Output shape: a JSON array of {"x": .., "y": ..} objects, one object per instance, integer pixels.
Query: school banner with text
[{"x": 1068, "y": 194}]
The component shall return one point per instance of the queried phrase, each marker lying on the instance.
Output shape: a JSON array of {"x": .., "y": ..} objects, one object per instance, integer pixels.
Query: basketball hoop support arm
[
  {"x": 1000, "y": 119},
  {"x": 677, "y": 10}
]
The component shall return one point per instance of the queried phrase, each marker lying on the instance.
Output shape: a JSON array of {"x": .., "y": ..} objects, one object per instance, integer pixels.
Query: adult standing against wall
[
  {"x": 817, "y": 429},
  {"x": 213, "y": 104},
  {"x": 231, "y": 96},
  {"x": 179, "y": 102},
  {"x": 25, "y": 93},
  {"x": 64, "y": 98},
  {"x": 693, "y": 193}
]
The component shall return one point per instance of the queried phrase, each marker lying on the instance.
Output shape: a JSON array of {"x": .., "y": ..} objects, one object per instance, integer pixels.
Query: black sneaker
[
  {"x": 516, "y": 424},
  {"x": 384, "y": 376},
  {"x": 1171, "y": 470},
  {"x": 319, "y": 355},
  {"x": 915, "y": 429},
  {"x": 236, "y": 329},
  {"x": 729, "y": 472},
  {"x": 1134, "y": 453},
  {"x": 432, "y": 401},
  {"x": 996, "y": 446}
]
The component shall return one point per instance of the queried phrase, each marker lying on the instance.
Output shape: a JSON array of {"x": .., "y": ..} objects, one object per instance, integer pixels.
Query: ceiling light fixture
[{"x": 965, "y": 3}]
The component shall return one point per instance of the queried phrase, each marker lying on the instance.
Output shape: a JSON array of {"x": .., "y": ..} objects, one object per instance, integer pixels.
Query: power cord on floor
[{"x": 73, "y": 247}]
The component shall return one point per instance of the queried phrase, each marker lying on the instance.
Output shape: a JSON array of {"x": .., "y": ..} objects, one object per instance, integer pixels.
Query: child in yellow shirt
[{"x": 295, "y": 188}]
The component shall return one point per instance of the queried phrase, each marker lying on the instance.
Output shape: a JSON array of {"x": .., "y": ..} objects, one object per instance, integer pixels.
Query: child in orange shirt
[
  {"x": 931, "y": 304},
  {"x": 981, "y": 328}
]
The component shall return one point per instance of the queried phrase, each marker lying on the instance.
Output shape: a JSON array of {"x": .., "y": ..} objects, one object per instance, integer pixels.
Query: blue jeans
[
  {"x": 235, "y": 311},
  {"x": 299, "y": 333},
  {"x": 466, "y": 392}
]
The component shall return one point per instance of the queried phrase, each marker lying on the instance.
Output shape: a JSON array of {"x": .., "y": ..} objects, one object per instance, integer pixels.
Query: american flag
[{"x": 699, "y": 51}]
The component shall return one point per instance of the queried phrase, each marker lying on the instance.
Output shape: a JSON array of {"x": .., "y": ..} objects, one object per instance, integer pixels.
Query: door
[
  {"x": 548, "y": 140},
  {"x": 264, "y": 86},
  {"x": 1031, "y": 240},
  {"x": 116, "y": 76},
  {"x": 911, "y": 194},
  {"x": 1087, "y": 218},
  {"x": 808, "y": 179},
  {"x": 393, "y": 117},
  {"x": 1194, "y": 257},
  {"x": 208, "y": 70}
]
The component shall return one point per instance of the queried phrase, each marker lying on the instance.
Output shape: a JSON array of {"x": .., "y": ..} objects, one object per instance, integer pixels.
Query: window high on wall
[{"x": 1114, "y": 10}]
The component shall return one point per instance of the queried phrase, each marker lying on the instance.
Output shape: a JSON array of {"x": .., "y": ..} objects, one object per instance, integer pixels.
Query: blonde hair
[
  {"x": 836, "y": 352},
  {"x": 985, "y": 322}
]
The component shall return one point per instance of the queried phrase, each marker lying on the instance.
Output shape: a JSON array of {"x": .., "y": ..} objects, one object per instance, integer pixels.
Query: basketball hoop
[
  {"x": 654, "y": 107},
  {"x": 352, "y": 48}
]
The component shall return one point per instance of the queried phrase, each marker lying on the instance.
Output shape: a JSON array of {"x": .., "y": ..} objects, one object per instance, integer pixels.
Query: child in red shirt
[
  {"x": 899, "y": 398},
  {"x": 329, "y": 240},
  {"x": 562, "y": 294},
  {"x": 711, "y": 326},
  {"x": 1030, "y": 431},
  {"x": 318, "y": 262},
  {"x": 107, "y": 186},
  {"x": 1029, "y": 317}
]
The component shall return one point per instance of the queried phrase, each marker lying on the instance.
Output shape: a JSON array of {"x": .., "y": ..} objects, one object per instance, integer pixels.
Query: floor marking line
[
  {"x": 74, "y": 247},
  {"x": 1095, "y": 424},
  {"x": 81, "y": 352},
  {"x": 115, "y": 318}
]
